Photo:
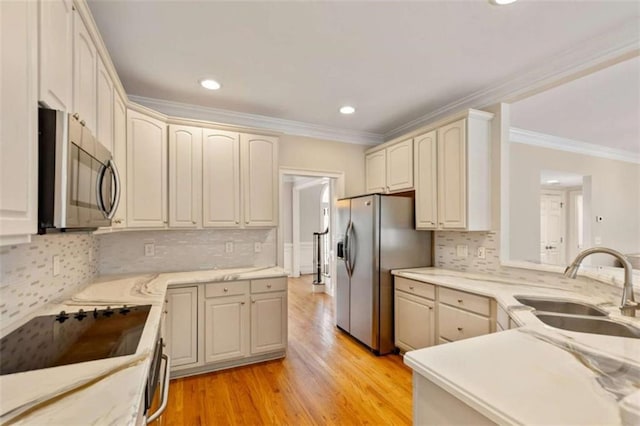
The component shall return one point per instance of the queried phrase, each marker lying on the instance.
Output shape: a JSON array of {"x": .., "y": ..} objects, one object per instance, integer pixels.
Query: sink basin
[
  {"x": 587, "y": 324},
  {"x": 561, "y": 306}
]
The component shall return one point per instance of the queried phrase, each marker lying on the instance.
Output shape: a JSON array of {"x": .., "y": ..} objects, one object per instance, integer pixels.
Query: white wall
[
  {"x": 287, "y": 215},
  {"x": 310, "y": 212},
  {"x": 615, "y": 195}
]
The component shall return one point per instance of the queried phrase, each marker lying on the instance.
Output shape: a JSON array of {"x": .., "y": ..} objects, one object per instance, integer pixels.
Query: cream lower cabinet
[
  {"x": 226, "y": 321},
  {"x": 390, "y": 169},
  {"x": 268, "y": 316},
  {"x": 181, "y": 326},
  {"x": 462, "y": 315},
  {"x": 414, "y": 314}
]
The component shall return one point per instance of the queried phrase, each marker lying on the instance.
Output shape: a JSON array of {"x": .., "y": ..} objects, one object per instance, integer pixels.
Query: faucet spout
[{"x": 628, "y": 306}]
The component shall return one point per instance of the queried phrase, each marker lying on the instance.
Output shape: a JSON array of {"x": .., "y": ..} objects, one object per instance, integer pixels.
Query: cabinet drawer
[
  {"x": 268, "y": 284},
  {"x": 456, "y": 324},
  {"x": 227, "y": 288},
  {"x": 415, "y": 287},
  {"x": 471, "y": 302}
]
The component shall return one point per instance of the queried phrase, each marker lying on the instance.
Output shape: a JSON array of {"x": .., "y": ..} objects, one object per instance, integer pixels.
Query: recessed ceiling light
[
  {"x": 553, "y": 182},
  {"x": 347, "y": 109},
  {"x": 207, "y": 83},
  {"x": 501, "y": 2}
]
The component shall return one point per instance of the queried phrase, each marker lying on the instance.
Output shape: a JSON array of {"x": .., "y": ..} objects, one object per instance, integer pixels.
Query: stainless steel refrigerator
[{"x": 376, "y": 234}]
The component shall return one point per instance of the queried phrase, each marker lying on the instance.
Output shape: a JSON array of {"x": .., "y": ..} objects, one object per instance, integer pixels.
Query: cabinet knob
[
  {"x": 253, "y": 301},
  {"x": 76, "y": 116},
  {"x": 430, "y": 307},
  {"x": 459, "y": 328},
  {"x": 83, "y": 123},
  {"x": 432, "y": 223},
  {"x": 237, "y": 222},
  {"x": 410, "y": 288},
  {"x": 166, "y": 301},
  {"x": 441, "y": 223},
  {"x": 242, "y": 303},
  {"x": 268, "y": 285},
  {"x": 226, "y": 289},
  {"x": 166, "y": 312},
  {"x": 117, "y": 221},
  {"x": 247, "y": 222},
  {"x": 193, "y": 221},
  {"x": 164, "y": 221},
  {"x": 459, "y": 300}
]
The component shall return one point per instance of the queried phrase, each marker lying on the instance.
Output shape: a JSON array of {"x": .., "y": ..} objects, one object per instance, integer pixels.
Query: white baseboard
[
  {"x": 288, "y": 258},
  {"x": 306, "y": 258}
]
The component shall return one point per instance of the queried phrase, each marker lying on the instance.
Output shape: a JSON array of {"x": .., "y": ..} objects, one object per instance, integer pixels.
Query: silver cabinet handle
[{"x": 165, "y": 390}]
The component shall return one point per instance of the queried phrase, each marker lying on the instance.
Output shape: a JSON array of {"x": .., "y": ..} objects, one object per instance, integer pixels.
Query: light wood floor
[{"x": 326, "y": 378}]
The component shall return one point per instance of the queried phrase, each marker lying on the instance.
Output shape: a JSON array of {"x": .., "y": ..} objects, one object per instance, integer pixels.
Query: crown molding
[
  {"x": 544, "y": 140},
  {"x": 606, "y": 49},
  {"x": 177, "y": 109}
]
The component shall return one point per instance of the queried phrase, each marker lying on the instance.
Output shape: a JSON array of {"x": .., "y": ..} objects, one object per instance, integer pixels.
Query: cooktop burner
[{"x": 69, "y": 338}]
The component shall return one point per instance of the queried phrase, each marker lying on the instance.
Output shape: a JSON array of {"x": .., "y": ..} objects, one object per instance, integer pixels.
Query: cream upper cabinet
[
  {"x": 426, "y": 180},
  {"x": 453, "y": 175},
  {"x": 181, "y": 326},
  {"x": 55, "y": 25},
  {"x": 19, "y": 121},
  {"x": 146, "y": 171},
  {"x": 185, "y": 176},
  {"x": 376, "y": 173},
  {"x": 390, "y": 169},
  {"x": 259, "y": 166},
  {"x": 84, "y": 74},
  {"x": 120, "y": 157},
  {"x": 220, "y": 179},
  {"x": 104, "y": 107}
]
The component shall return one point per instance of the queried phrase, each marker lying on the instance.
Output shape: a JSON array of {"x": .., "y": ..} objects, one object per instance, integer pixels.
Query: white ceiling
[
  {"x": 394, "y": 61},
  {"x": 602, "y": 108}
]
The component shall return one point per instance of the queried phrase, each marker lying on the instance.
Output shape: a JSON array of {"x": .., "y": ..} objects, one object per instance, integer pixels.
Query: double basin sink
[{"x": 576, "y": 316}]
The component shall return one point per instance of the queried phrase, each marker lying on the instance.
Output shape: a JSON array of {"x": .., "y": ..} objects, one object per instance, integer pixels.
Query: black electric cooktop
[{"x": 69, "y": 338}]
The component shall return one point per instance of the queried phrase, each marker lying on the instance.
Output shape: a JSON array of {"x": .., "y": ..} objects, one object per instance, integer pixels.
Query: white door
[
  {"x": 120, "y": 157},
  {"x": 185, "y": 176},
  {"x": 104, "y": 107},
  {"x": 220, "y": 179},
  {"x": 146, "y": 171},
  {"x": 552, "y": 228},
  {"x": 226, "y": 329},
  {"x": 56, "y": 53},
  {"x": 268, "y": 322},
  {"x": 259, "y": 165},
  {"x": 399, "y": 167},
  {"x": 575, "y": 234},
  {"x": 375, "y": 166},
  {"x": 414, "y": 321},
  {"x": 18, "y": 120},
  {"x": 452, "y": 176},
  {"x": 84, "y": 74},
  {"x": 182, "y": 325},
  {"x": 426, "y": 183}
]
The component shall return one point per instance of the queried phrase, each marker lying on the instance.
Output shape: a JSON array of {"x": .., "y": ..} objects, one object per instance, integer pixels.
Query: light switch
[
  {"x": 149, "y": 249},
  {"x": 228, "y": 247},
  {"x": 481, "y": 253}
]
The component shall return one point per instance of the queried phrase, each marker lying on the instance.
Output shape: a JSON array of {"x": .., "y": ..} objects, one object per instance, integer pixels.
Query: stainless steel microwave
[{"x": 78, "y": 183}]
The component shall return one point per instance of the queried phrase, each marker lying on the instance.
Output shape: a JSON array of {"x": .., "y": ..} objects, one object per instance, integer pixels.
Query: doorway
[{"x": 307, "y": 205}]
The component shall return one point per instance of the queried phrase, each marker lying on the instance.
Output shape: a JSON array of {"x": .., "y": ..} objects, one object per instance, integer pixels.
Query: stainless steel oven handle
[
  {"x": 165, "y": 390},
  {"x": 116, "y": 194},
  {"x": 99, "y": 199}
]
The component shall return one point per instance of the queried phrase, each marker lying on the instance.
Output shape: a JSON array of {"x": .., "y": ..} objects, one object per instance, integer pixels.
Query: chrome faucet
[{"x": 628, "y": 306}]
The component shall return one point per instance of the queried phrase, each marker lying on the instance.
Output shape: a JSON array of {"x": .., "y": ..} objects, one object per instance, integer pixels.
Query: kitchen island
[
  {"x": 108, "y": 391},
  {"x": 534, "y": 374}
]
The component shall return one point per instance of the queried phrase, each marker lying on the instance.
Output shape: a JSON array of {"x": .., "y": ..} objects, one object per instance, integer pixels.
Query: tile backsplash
[
  {"x": 26, "y": 272},
  {"x": 124, "y": 252},
  {"x": 446, "y": 243}
]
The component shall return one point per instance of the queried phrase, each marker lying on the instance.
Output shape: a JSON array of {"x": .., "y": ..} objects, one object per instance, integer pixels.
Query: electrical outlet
[
  {"x": 55, "y": 260},
  {"x": 481, "y": 253},
  {"x": 257, "y": 247},
  {"x": 597, "y": 240},
  {"x": 462, "y": 250},
  {"x": 149, "y": 249},
  {"x": 228, "y": 247}
]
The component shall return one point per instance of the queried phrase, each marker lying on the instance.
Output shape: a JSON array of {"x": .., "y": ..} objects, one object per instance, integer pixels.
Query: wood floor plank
[{"x": 327, "y": 378}]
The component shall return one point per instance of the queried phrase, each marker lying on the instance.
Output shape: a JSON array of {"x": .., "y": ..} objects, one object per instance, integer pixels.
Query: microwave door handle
[
  {"x": 115, "y": 202},
  {"x": 99, "y": 198}
]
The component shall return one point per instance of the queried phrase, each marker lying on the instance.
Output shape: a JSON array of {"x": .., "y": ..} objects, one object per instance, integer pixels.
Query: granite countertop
[
  {"x": 108, "y": 391},
  {"x": 534, "y": 374}
]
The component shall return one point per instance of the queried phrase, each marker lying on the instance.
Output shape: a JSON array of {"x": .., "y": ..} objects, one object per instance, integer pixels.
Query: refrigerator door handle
[
  {"x": 352, "y": 240},
  {"x": 347, "y": 259}
]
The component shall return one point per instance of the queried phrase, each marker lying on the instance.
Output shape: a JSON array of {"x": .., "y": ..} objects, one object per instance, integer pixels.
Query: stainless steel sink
[
  {"x": 561, "y": 306},
  {"x": 585, "y": 324}
]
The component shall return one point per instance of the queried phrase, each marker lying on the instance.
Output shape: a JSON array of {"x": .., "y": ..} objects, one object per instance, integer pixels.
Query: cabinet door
[
  {"x": 146, "y": 171},
  {"x": 226, "y": 329},
  {"x": 220, "y": 179},
  {"x": 452, "y": 176},
  {"x": 259, "y": 162},
  {"x": 56, "y": 53},
  {"x": 104, "y": 107},
  {"x": 268, "y": 322},
  {"x": 400, "y": 166},
  {"x": 185, "y": 176},
  {"x": 84, "y": 74},
  {"x": 120, "y": 157},
  {"x": 18, "y": 121},
  {"x": 182, "y": 325},
  {"x": 425, "y": 167},
  {"x": 375, "y": 165},
  {"x": 414, "y": 321}
]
